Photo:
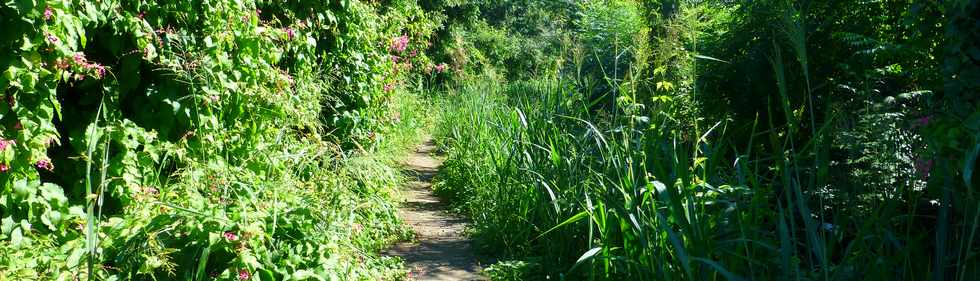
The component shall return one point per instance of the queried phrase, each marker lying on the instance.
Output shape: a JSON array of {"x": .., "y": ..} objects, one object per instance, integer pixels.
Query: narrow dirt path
[{"x": 440, "y": 251}]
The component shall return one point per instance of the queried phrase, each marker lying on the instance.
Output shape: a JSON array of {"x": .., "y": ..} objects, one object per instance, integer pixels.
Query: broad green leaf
[{"x": 16, "y": 238}]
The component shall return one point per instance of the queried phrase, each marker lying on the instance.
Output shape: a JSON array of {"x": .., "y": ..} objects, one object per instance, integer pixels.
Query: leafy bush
[{"x": 176, "y": 140}]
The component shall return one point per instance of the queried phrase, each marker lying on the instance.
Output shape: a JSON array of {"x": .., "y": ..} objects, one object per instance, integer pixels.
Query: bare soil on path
[{"x": 440, "y": 250}]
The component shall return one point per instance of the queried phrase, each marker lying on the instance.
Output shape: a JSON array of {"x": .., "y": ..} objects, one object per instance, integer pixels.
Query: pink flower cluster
[
  {"x": 389, "y": 87},
  {"x": 82, "y": 62},
  {"x": 44, "y": 164},
  {"x": 441, "y": 67},
  {"x": 290, "y": 33},
  {"x": 4, "y": 143},
  {"x": 243, "y": 275},
  {"x": 399, "y": 44},
  {"x": 48, "y": 13},
  {"x": 231, "y": 236}
]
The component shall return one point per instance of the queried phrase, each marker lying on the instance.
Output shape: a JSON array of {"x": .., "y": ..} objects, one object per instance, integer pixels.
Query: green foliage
[
  {"x": 182, "y": 140},
  {"x": 733, "y": 140},
  {"x": 508, "y": 271},
  {"x": 608, "y": 31}
]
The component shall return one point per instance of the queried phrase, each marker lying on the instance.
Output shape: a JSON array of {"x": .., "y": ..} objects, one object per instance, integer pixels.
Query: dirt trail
[{"x": 440, "y": 251}]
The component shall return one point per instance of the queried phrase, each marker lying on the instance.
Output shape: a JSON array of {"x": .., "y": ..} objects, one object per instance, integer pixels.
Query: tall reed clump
[
  {"x": 546, "y": 180},
  {"x": 569, "y": 186}
]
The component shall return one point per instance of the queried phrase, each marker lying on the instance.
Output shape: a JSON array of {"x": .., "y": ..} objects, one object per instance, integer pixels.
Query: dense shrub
[{"x": 177, "y": 140}]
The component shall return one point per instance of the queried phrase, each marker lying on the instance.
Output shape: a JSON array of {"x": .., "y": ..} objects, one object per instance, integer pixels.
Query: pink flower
[
  {"x": 243, "y": 275},
  {"x": 5, "y": 143},
  {"x": 18, "y": 126},
  {"x": 53, "y": 39},
  {"x": 290, "y": 33},
  {"x": 61, "y": 64},
  {"x": 44, "y": 164},
  {"x": 100, "y": 70},
  {"x": 389, "y": 87},
  {"x": 80, "y": 59},
  {"x": 141, "y": 14},
  {"x": 399, "y": 44},
  {"x": 4, "y": 167},
  {"x": 48, "y": 13},
  {"x": 413, "y": 53},
  {"x": 441, "y": 67},
  {"x": 231, "y": 236},
  {"x": 395, "y": 58}
]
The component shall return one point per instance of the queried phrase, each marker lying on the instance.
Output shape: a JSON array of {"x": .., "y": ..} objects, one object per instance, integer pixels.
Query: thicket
[
  {"x": 724, "y": 140},
  {"x": 598, "y": 139},
  {"x": 193, "y": 140}
]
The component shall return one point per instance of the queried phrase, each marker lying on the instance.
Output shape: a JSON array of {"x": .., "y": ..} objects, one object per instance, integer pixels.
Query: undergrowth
[{"x": 229, "y": 140}]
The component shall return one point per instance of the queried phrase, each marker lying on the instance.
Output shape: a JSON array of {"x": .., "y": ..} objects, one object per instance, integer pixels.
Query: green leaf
[
  {"x": 91, "y": 11},
  {"x": 16, "y": 238},
  {"x": 22, "y": 6},
  {"x": 6, "y": 225},
  {"x": 53, "y": 193},
  {"x": 75, "y": 257},
  {"x": 202, "y": 262},
  {"x": 28, "y": 45},
  {"x": 575, "y": 218},
  {"x": 710, "y": 58},
  {"x": 585, "y": 256},
  {"x": 21, "y": 188}
]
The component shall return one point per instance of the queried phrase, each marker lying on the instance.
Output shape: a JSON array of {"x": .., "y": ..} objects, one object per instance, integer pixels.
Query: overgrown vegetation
[
  {"x": 725, "y": 140},
  {"x": 199, "y": 140},
  {"x": 586, "y": 140}
]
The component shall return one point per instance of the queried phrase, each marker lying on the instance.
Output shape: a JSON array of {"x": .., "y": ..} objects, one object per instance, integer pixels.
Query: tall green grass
[
  {"x": 645, "y": 159},
  {"x": 577, "y": 191}
]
